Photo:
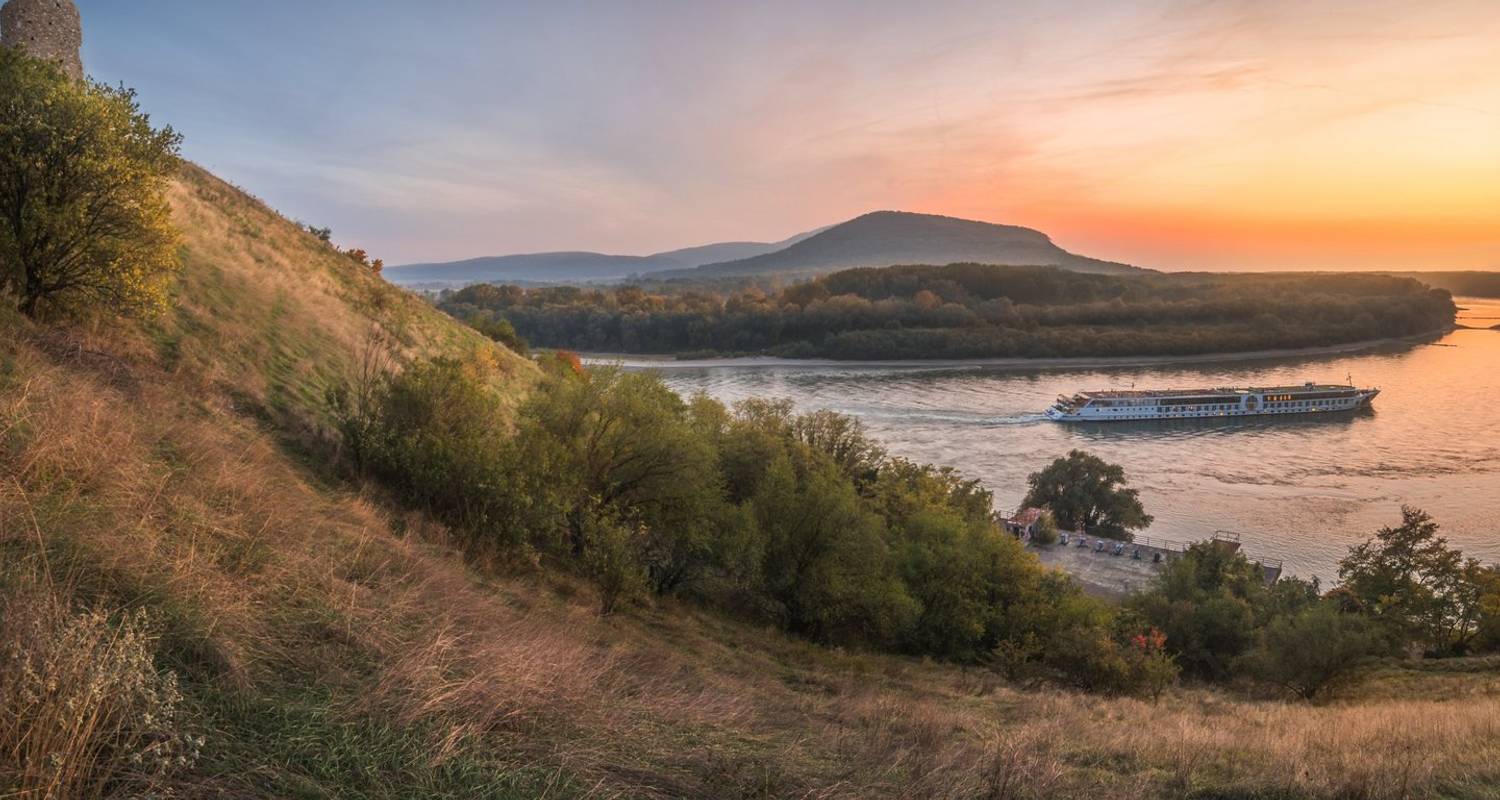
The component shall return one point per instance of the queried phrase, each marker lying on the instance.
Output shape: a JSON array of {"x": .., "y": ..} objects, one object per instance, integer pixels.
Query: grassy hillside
[
  {"x": 154, "y": 522},
  {"x": 267, "y": 314}
]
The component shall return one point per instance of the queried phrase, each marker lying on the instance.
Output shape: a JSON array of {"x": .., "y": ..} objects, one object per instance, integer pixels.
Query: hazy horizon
[{"x": 1172, "y": 134}]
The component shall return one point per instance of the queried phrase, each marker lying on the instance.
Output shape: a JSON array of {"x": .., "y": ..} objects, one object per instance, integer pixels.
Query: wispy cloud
[{"x": 455, "y": 129}]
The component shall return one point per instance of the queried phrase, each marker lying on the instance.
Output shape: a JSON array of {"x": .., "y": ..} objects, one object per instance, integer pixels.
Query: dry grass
[
  {"x": 259, "y": 574},
  {"x": 271, "y": 318},
  {"x": 328, "y": 648},
  {"x": 84, "y": 711}
]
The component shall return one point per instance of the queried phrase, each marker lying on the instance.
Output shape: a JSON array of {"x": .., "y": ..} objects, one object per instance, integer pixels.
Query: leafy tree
[
  {"x": 1488, "y": 637},
  {"x": 500, "y": 330},
  {"x": 1086, "y": 493},
  {"x": 961, "y": 577},
  {"x": 84, "y": 219},
  {"x": 625, "y": 440},
  {"x": 827, "y": 565},
  {"x": 1310, "y": 652},
  {"x": 1409, "y": 578},
  {"x": 842, "y": 438}
]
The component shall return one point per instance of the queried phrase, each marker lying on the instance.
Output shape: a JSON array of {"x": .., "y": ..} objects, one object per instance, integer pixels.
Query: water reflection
[{"x": 1226, "y": 426}]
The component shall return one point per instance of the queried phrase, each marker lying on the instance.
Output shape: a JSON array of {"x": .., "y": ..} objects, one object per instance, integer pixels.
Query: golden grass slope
[
  {"x": 270, "y": 315},
  {"x": 326, "y": 646}
]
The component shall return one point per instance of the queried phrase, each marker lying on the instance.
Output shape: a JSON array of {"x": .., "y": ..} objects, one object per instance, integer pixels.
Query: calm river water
[{"x": 1302, "y": 490}]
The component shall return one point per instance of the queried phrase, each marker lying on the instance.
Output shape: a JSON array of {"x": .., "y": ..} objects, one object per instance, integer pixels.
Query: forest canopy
[{"x": 969, "y": 311}]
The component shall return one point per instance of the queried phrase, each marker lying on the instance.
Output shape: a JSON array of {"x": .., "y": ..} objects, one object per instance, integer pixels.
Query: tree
[
  {"x": 500, "y": 330},
  {"x": 1086, "y": 493},
  {"x": 625, "y": 439},
  {"x": 843, "y": 439},
  {"x": 84, "y": 218},
  {"x": 826, "y": 564},
  {"x": 1488, "y": 638},
  {"x": 1308, "y": 653},
  {"x": 1412, "y": 580}
]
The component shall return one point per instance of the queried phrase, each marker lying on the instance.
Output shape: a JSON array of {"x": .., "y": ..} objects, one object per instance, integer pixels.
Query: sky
[{"x": 1177, "y": 134}]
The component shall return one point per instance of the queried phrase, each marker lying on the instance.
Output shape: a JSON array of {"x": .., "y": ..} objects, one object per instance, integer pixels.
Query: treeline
[
  {"x": 799, "y": 521},
  {"x": 1462, "y": 284},
  {"x": 970, "y": 311}
]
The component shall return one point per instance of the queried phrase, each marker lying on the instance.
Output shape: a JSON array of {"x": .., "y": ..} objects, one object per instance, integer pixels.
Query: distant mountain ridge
[
  {"x": 581, "y": 266},
  {"x": 877, "y": 239},
  {"x": 562, "y": 267}
]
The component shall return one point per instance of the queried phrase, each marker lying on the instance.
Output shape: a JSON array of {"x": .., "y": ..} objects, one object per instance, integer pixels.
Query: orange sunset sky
[{"x": 1178, "y": 135}]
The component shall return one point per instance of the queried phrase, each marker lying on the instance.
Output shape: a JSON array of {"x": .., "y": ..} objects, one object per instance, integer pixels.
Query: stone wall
[{"x": 48, "y": 29}]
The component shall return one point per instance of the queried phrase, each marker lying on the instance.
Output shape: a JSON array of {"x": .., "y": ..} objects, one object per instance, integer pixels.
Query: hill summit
[{"x": 889, "y": 238}]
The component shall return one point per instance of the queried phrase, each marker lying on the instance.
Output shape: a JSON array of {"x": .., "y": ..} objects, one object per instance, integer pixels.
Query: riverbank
[{"x": 1099, "y": 362}]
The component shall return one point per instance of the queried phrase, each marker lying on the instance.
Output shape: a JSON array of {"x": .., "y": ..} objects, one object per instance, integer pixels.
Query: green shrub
[
  {"x": 826, "y": 562},
  {"x": 1046, "y": 530},
  {"x": 1314, "y": 650},
  {"x": 611, "y": 558},
  {"x": 439, "y": 440}
]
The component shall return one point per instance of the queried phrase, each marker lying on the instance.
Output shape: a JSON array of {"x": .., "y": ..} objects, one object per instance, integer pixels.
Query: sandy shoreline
[{"x": 1020, "y": 364}]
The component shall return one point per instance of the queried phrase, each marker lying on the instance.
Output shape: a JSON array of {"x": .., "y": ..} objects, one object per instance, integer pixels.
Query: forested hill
[
  {"x": 972, "y": 311},
  {"x": 887, "y": 238}
]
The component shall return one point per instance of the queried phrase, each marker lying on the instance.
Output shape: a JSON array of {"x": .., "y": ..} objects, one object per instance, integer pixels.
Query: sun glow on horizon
[{"x": 1242, "y": 134}]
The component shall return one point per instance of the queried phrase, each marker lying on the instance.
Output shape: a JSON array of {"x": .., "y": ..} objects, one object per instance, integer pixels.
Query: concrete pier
[{"x": 1121, "y": 569}]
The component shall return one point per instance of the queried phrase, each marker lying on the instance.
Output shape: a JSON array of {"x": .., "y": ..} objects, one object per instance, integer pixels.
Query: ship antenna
[{"x": 1351, "y": 379}]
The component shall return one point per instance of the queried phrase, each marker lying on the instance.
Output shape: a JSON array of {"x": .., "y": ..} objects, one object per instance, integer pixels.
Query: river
[{"x": 1299, "y": 489}]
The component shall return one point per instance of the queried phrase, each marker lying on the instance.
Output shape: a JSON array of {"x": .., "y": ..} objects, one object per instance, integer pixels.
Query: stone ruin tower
[{"x": 47, "y": 29}]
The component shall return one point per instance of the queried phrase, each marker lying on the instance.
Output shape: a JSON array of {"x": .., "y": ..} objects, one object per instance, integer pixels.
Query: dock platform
[{"x": 1121, "y": 569}]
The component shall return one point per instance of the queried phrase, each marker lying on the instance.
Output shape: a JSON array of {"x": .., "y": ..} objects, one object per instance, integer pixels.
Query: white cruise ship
[{"x": 1121, "y": 406}]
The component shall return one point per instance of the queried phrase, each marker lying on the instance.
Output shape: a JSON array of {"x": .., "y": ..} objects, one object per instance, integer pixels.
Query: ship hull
[{"x": 1221, "y": 404}]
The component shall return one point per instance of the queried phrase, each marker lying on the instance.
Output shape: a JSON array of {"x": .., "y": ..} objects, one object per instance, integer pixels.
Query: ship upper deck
[{"x": 1116, "y": 394}]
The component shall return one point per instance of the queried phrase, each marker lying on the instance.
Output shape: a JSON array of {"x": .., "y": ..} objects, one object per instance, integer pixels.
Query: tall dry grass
[
  {"x": 263, "y": 575},
  {"x": 84, "y": 710}
]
